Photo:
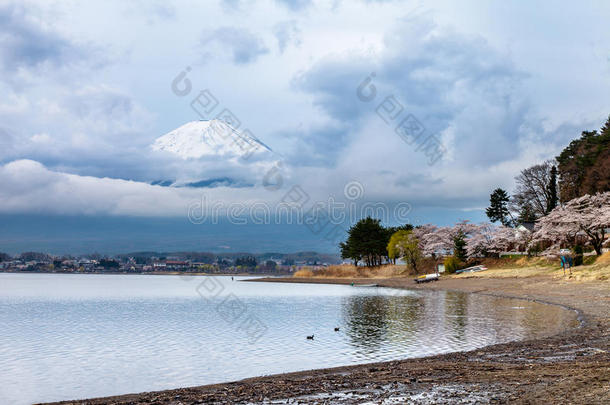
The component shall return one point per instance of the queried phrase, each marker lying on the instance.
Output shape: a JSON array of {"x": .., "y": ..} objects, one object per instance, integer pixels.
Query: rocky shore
[{"x": 572, "y": 367}]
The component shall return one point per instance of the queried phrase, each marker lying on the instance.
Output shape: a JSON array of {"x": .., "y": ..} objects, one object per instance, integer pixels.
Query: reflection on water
[
  {"x": 455, "y": 313},
  {"x": 103, "y": 334},
  {"x": 438, "y": 322},
  {"x": 366, "y": 321}
]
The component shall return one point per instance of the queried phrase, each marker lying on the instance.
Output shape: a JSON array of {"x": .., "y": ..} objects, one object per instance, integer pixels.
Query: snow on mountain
[
  {"x": 210, "y": 154},
  {"x": 215, "y": 138}
]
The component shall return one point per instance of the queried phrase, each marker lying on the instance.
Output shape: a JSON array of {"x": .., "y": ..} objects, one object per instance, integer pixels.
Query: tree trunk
[{"x": 597, "y": 241}]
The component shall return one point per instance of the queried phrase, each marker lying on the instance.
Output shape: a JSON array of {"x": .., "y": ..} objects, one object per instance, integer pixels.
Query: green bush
[{"x": 452, "y": 264}]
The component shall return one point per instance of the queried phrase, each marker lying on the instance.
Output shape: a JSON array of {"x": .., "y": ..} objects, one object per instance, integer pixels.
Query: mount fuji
[
  {"x": 197, "y": 139},
  {"x": 212, "y": 154}
]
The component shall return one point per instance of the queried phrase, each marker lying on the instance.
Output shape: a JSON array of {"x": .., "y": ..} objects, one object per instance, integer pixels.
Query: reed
[{"x": 350, "y": 271}]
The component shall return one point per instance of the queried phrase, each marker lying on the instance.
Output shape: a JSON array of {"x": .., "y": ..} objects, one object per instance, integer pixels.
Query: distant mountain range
[{"x": 211, "y": 257}]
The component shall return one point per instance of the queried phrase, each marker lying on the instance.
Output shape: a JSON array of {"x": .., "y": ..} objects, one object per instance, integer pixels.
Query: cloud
[
  {"x": 108, "y": 110},
  {"x": 458, "y": 87},
  {"x": 318, "y": 145},
  {"x": 244, "y": 46},
  {"x": 30, "y": 44},
  {"x": 161, "y": 10},
  {"x": 90, "y": 121},
  {"x": 230, "y": 5},
  {"x": 287, "y": 33},
  {"x": 295, "y": 5},
  {"x": 28, "y": 186},
  {"x": 152, "y": 10}
]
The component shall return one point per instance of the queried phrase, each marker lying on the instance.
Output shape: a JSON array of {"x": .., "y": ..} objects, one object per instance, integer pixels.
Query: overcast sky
[{"x": 86, "y": 87}]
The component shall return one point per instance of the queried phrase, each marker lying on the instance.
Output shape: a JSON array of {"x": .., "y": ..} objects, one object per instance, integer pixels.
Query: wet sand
[{"x": 570, "y": 367}]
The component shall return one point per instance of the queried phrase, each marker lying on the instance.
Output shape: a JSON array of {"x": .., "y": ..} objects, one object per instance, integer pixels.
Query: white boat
[
  {"x": 426, "y": 278},
  {"x": 471, "y": 269}
]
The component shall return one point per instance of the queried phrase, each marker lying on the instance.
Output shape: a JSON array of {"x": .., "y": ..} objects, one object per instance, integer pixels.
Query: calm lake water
[{"x": 75, "y": 336}]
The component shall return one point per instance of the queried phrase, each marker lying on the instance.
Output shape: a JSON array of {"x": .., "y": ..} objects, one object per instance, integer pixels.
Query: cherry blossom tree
[
  {"x": 506, "y": 238},
  {"x": 436, "y": 240},
  {"x": 587, "y": 215},
  {"x": 482, "y": 239},
  {"x": 487, "y": 239},
  {"x": 428, "y": 236}
]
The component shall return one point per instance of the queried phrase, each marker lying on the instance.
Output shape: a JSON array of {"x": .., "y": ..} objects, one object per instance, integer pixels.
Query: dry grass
[
  {"x": 349, "y": 271},
  {"x": 512, "y": 262},
  {"x": 536, "y": 261},
  {"x": 303, "y": 273},
  {"x": 498, "y": 268},
  {"x": 603, "y": 259},
  {"x": 535, "y": 267}
]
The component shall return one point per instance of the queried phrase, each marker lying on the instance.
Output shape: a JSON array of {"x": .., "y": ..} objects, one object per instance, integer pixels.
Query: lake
[{"x": 67, "y": 336}]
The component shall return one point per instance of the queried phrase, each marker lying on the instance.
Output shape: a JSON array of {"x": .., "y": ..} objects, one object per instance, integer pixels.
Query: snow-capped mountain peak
[{"x": 198, "y": 139}]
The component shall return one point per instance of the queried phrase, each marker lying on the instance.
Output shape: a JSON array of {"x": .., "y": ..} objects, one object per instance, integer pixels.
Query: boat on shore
[
  {"x": 472, "y": 269},
  {"x": 426, "y": 278}
]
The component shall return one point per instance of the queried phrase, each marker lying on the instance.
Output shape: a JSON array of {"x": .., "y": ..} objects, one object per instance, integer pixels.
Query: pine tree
[
  {"x": 498, "y": 207},
  {"x": 526, "y": 214},
  {"x": 605, "y": 130},
  {"x": 367, "y": 240},
  {"x": 552, "y": 191},
  {"x": 459, "y": 246}
]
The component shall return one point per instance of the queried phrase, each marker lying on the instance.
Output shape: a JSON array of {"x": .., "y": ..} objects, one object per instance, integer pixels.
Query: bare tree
[{"x": 533, "y": 196}]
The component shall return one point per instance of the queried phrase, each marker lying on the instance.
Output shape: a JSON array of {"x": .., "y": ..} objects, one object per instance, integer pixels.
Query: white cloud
[
  {"x": 28, "y": 186},
  {"x": 245, "y": 47},
  {"x": 43, "y": 138}
]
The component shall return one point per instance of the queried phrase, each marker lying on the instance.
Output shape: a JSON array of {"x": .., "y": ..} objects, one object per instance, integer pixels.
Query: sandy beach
[{"x": 570, "y": 367}]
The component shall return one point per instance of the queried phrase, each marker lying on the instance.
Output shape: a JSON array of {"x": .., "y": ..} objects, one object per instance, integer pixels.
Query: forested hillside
[{"x": 584, "y": 166}]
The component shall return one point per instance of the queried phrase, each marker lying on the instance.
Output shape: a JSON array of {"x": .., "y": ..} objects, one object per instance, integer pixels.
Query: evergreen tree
[
  {"x": 584, "y": 165},
  {"x": 605, "y": 130},
  {"x": 459, "y": 246},
  {"x": 552, "y": 191},
  {"x": 367, "y": 240},
  {"x": 498, "y": 207},
  {"x": 526, "y": 214}
]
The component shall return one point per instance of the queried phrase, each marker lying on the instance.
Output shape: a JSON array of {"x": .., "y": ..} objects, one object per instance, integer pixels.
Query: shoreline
[
  {"x": 148, "y": 273},
  {"x": 572, "y": 366},
  {"x": 580, "y": 315}
]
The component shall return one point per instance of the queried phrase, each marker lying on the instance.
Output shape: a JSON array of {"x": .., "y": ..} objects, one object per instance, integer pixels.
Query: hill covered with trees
[{"x": 584, "y": 166}]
